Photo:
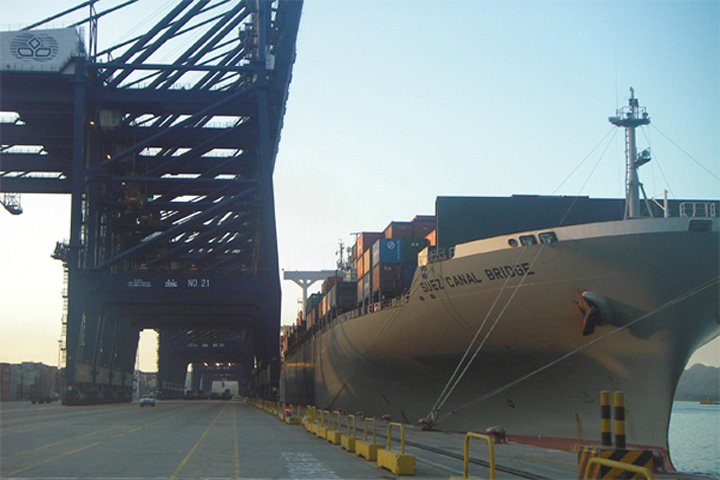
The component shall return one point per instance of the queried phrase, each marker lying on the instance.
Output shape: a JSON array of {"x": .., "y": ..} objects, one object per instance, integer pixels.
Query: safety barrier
[
  {"x": 605, "y": 432},
  {"x": 321, "y": 428},
  {"x": 292, "y": 416},
  {"x": 397, "y": 461},
  {"x": 347, "y": 442},
  {"x": 619, "y": 411},
  {"x": 617, "y": 469},
  {"x": 366, "y": 449},
  {"x": 310, "y": 418},
  {"x": 635, "y": 460},
  {"x": 333, "y": 432},
  {"x": 466, "y": 455}
]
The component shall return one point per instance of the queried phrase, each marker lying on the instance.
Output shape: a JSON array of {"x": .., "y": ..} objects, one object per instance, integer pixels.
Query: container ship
[{"x": 517, "y": 312}]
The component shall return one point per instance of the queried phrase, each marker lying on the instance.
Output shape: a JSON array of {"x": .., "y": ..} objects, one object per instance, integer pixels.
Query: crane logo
[{"x": 35, "y": 46}]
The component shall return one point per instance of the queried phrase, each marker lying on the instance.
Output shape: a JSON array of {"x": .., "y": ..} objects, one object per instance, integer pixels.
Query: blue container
[
  {"x": 408, "y": 274},
  {"x": 387, "y": 250}
]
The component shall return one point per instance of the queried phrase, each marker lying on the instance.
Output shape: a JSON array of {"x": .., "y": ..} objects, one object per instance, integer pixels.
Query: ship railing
[
  {"x": 698, "y": 209},
  {"x": 440, "y": 254},
  {"x": 300, "y": 337}
]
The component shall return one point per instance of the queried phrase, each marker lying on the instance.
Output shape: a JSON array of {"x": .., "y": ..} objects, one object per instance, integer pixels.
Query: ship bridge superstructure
[{"x": 166, "y": 143}]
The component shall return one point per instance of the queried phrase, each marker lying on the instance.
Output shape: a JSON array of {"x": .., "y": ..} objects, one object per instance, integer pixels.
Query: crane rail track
[{"x": 500, "y": 468}]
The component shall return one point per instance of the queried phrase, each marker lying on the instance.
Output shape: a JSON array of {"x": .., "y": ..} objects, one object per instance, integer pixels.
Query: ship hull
[{"x": 542, "y": 364}]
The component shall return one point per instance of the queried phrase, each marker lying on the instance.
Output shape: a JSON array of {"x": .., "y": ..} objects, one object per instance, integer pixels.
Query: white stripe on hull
[{"x": 398, "y": 360}]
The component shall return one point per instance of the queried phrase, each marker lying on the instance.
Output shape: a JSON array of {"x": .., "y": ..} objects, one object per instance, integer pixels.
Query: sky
[{"x": 393, "y": 103}]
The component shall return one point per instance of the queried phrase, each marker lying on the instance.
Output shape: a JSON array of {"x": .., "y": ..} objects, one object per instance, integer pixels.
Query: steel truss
[{"x": 169, "y": 164}]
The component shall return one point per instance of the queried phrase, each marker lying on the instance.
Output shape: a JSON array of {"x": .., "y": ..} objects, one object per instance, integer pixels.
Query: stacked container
[
  {"x": 393, "y": 259},
  {"x": 5, "y": 382},
  {"x": 28, "y": 380},
  {"x": 383, "y": 266}
]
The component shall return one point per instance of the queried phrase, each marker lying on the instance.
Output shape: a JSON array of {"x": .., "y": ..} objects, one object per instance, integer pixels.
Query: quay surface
[{"x": 215, "y": 439}]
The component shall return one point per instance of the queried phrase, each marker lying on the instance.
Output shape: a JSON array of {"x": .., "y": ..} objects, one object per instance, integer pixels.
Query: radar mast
[{"x": 630, "y": 118}]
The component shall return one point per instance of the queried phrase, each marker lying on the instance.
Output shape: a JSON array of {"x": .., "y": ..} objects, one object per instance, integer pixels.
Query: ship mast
[{"x": 630, "y": 118}]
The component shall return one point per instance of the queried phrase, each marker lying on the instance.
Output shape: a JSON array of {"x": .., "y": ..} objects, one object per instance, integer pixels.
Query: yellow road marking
[
  {"x": 37, "y": 449},
  {"x": 94, "y": 444},
  {"x": 237, "y": 447},
  {"x": 43, "y": 425},
  {"x": 197, "y": 444}
]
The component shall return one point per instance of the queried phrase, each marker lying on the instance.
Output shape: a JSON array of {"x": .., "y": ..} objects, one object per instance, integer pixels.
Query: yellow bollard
[
  {"x": 333, "y": 433},
  {"x": 397, "y": 461},
  {"x": 466, "y": 455},
  {"x": 619, "y": 403},
  {"x": 366, "y": 449},
  {"x": 291, "y": 417},
  {"x": 605, "y": 433},
  {"x": 321, "y": 430},
  {"x": 347, "y": 442},
  {"x": 308, "y": 418}
]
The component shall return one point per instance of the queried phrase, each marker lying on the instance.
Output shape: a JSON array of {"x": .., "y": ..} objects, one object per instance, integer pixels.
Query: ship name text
[
  {"x": 508, "y": 271},
  {"x": 468, "y": 278},
  {"x": 458, "y": 280}
]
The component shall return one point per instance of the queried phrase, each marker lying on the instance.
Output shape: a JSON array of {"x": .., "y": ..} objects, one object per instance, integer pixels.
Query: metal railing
[
  {"x": 698, "y": 209},
  {"x": 491, "y": 453}
]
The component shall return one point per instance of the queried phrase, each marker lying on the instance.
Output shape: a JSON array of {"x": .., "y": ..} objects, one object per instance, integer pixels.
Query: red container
[
  {"x": 398, "y": 230},
  {"x": 364, "y": 241},
  {"x": 328, "y": 283},
  {"x": 387, "y": 278},
  {"x": 422, "y": 225}
]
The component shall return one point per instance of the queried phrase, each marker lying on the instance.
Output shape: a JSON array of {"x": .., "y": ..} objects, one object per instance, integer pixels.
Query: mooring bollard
[
  {"x": 619, "y": 403},
  {"x": 605, "y": 433}
]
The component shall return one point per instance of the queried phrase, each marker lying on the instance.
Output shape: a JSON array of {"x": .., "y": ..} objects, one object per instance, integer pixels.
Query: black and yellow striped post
[
  {"x": 605, "y": 433},
  {"x": 619, "y": 404}
]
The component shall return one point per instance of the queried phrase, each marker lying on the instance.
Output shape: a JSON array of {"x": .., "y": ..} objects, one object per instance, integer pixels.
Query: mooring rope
[
  {"x": 692, "y": 292},
  {"x": 365, "y": 355},
  {"x": 455, "y": 378}
]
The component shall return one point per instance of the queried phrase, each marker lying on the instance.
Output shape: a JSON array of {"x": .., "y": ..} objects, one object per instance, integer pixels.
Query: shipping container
[
  {"x": 398, "y": 230},
  {"x": 386, "y": 250},
  {"x": 422, "y": 225},
  {"x": 367, "y": 262},
  {"x": 311, "y": 318},
  {"x": 360, "y": 266},
  {"x": 410, "y": 249},
  {"x": 313, "y": 300},
  {"x": 5, "y": 395},
  {"x": 328, "y": 283},
  {"x": 365, "y": 240},
  {"x": 387, "y": 278},
  {"x": 350, "y": 276},
  {"x": 367, "y": 286},
  {"x": 5, "y": 384},
  {"x": 432, "y": 238},
  {"x": 342, "y": 297},
  {"x": 323, "y": 306},
  {"x": 408, "y": 274}
]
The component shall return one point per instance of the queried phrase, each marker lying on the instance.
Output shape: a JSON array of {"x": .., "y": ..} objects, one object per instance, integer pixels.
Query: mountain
[{"x": 699, "y": 382}]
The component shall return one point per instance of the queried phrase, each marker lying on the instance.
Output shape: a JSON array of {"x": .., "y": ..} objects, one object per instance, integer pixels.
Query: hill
[{"x": 699, "y": 382}]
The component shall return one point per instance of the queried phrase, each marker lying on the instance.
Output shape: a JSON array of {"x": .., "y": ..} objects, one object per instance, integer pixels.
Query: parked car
[{"x": 147, "y": 400}]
